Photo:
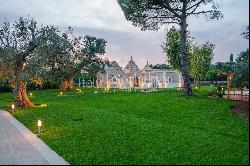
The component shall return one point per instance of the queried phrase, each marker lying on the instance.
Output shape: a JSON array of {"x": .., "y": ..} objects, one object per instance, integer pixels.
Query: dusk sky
[{"x": 104, "y": 18}]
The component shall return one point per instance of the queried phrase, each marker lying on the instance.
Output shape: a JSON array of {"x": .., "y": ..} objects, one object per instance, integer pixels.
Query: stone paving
[{"x": 19, "y": 146}]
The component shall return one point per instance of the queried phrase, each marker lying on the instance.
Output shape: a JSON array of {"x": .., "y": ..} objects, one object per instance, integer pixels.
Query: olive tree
[
  {"x": 17, "y": 45},
  {"x": 64, "y": 55}
]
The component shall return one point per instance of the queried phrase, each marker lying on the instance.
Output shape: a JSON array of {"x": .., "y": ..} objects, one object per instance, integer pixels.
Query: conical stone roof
[
  {"x": 132, "y": 68},
  {"x": 147, "y": 67}
]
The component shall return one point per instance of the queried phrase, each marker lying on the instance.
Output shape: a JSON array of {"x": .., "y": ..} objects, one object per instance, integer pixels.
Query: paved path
[{"x": 19, "y": 146}]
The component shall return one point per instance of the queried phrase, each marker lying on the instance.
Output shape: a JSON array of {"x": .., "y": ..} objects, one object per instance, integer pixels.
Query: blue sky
[{"x": 104, "y": 18}]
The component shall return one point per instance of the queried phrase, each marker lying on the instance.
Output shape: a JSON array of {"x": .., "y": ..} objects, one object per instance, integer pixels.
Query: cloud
[{"x": 104, "y": 18}]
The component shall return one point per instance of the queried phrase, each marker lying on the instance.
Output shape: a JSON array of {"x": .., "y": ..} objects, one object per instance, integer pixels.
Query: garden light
[
  {"x": 61, "y": 93},
  {"x": 13, "y": 106},
  {"x": 39, "y": 124},
  {"x": 31, "y": 94}
]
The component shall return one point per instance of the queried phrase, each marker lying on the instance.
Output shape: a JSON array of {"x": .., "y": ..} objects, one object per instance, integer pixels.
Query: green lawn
[{"x": 138, "y": 128}]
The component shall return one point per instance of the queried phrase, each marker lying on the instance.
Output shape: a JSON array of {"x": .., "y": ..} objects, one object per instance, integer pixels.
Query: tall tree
[
  {"x": 151, "y": 14},
  {"x": 245, "y": 34},
  {"x": 17, "y": 45},
  {"x": 200, "y": 60},
  {"x": 231, "y": 58},
  {"x": 241, "y": 73}
]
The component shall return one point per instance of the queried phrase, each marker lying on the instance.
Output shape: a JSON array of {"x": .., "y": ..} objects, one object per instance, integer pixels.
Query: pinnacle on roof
[
  {"x": 131, "y": 67},
  {"x": 147, "y": 67}
]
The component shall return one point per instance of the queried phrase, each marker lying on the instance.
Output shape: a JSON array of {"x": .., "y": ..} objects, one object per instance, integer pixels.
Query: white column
[
  {"x": 164, "y": 78},
  {"x": 149, "y": 78},
  {"x": 107, "y": 79}
]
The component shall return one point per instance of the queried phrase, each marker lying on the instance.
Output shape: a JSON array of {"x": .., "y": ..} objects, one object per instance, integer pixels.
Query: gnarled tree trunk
[
  {"x": 68, "y": 84},
  {"x": 21, "y": 97},
  {"x": 20, "y": 91},
  {"x": 183, "y": 53}
]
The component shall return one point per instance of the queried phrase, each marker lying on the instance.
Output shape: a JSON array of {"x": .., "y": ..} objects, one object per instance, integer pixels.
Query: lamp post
[
  {"x": 12, "y": 107},
  {"x": 39, "y": 124}
]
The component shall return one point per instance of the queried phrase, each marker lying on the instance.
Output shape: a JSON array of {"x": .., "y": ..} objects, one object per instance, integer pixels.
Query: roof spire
[
  {"x": 131, "y": 58},
  {"x": 147, "y": 62}
]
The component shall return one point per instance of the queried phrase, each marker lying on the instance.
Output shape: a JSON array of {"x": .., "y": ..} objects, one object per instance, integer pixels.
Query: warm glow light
[
  {"x": 61, "y": 93},
  {"x": 39, "y": 123},
  {"x": 13, "y": 106},
  {"x": 31, "y": 94},
  {"x": 196, "y": 87}
]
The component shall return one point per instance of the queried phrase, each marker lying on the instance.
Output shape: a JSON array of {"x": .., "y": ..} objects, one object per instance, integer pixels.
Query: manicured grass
[{"x": 138, "y": 128}]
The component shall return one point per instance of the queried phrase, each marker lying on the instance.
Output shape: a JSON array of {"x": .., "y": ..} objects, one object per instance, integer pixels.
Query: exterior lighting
[
  {"x": 39, "y": 124},
  {"x": 196, "y": 87},
  {"x": 61, "y": 93},
  {"x": 13, "y": 106},
  {"x": 24, "y": 64},
  {"x": 31, "y": 94}
]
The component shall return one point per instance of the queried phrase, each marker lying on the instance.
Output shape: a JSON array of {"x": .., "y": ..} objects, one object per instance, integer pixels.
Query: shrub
[{"x": 5, "y": 86}]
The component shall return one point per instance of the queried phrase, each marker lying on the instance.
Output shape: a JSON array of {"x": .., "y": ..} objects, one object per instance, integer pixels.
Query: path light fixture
[
  {"x": 31, "y": 94},
  {"x": 61, "y": 93},
  {"x": 39, "y": 124},
  {"x": 12, "y": 107}
]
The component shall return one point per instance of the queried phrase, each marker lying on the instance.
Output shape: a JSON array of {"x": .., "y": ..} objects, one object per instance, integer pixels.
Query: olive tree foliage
[
  {"x": 152, "y": 14},
  {"x": 65, "y": 55},
  {"x": 18, "y": 42},
  {"x": 5, "y": 69}
]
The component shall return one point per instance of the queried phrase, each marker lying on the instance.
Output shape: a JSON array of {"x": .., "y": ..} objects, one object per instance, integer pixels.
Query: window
[
  {"x": 169, "y": 80},
  {"x": 114, "y": 80}
]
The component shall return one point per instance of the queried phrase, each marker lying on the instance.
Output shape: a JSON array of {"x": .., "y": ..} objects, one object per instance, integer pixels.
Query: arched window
[{"x": 114, "y": 79}]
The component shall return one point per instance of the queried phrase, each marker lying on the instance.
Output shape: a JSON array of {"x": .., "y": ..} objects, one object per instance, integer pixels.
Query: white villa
[{"x": 113, "y": 76}]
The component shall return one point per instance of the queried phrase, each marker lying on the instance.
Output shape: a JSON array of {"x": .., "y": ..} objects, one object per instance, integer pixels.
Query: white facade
[{"x": 131, "y": 76}]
